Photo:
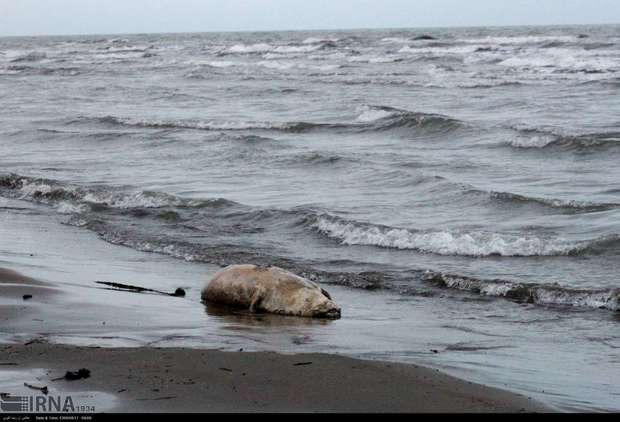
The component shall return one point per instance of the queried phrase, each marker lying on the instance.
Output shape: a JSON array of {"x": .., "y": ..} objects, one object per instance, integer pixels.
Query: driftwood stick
[
  {"x": 138, "y": 289},
  {"x": 43, "y": 389}
]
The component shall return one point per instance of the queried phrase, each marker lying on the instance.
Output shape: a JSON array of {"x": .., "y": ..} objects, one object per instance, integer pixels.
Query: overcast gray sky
[{"x": 37, "y": 17}]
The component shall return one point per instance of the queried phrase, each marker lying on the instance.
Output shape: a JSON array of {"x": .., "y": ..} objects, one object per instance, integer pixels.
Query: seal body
[{"x": 269, "y": 289}]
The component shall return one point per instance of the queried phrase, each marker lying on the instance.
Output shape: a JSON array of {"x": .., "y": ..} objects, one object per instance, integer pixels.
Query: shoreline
[
  {"x": 174, "y": 379},
  {"x": 147, "y": 379}
]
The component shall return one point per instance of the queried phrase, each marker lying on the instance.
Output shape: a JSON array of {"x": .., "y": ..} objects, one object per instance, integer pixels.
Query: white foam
[
  {"x": 373, "y": 59},
  {"x": 270, "y": 63},
  {"x": 526, "y": 39},
  {"x": 395, "y": 40},
  {"x": 66, "y": 207},
  {"x": 80, "y": 197},
  {"x": 7, "y": 71},
  {"x": 126, "y": 49},
  {"x": 283, "y": 50},
  {"x": 131, "y": 200},
  {"x": 326, "y": 67},
  {"x": 370, "y": 114},
  {"x": 563, "y": 59},
  {"x": 170, "y": 249},
  {"x": 287, "y": 65},
  {"x": 222, "y": 63},
  {"x": 31, "y": 188},
  {"x": 603, "y": 299},
  {"x": 542, "y": 294},
  {"x": 475, "y": 243},
  {"x": 252, "y": 48},
  {"x": 24, "y": 55},
  {"x": 277, "y": 65},
  {"x": 296, "y": 49},
  {"x": 315, "y": 40},
  {"x": 116, "y": 56},
  {"x": 274, "y": 56},
  {"x": 439, "y": 50},
  {"x": 200, "y": 124},
  {"x": 534, "y": 141}
]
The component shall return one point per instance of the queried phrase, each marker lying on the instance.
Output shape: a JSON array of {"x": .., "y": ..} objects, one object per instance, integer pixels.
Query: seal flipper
[
  {"x": 257, "y": 298},
  {"x": 326, "y": 294}
]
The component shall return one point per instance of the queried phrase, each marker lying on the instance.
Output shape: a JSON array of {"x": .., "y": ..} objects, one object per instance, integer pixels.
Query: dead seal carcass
[{"x": 269, "y": 289}]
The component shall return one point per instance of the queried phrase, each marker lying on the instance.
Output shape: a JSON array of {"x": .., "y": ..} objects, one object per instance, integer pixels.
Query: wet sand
[
  {"x": 18, "y": 292},
  {"x": 149, "y": 379},
  {"x": 192, "y": 380}
]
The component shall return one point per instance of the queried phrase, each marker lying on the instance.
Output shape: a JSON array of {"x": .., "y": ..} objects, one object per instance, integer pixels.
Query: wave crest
[
  {"x": 31, "y": 56},
  {"x": 542, "y": 138},
  {"x": 371, "y": 119},
  {"x": 294, "y": 127},
  {"x": 445, "y": 242},
  {"x": 69, "y": 198},
  {"x": 40, "y": 70},
  {"x": 384, "y": 118},
  {"x": 531, "y": 293},
  {"x": 571, "y": 205}
]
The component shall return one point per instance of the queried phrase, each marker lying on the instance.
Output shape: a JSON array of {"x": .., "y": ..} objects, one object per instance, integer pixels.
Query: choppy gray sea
[{"x": 464, "y": 182}]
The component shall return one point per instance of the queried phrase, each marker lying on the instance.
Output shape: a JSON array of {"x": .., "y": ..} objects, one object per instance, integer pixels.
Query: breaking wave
[
  {"x": 570, "y": 205},
  {"x": 203, "y": 124},
  {"x": 371, "y": 119},
  {"x": 540, "y": 138},
  {"x": 379, "y": 118},
  {"x": 540, "y": 294},
  {"x": 521, "y": 39},
  {"x": 71, "y": 198},
  {"x": 451, "y": 242},
  {"x": 562, "y": 61},
  {"x": 308, "y": 45},
  {"x": 32, "y": 56},
  {"x": 39, "y": 70}
]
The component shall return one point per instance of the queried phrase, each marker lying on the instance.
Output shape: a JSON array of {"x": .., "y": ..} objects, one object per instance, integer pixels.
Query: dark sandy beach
[
  {"x": 149, "y": 379},
  {"x": 190, "y": 380}
]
